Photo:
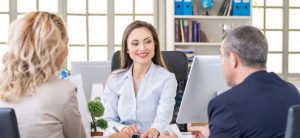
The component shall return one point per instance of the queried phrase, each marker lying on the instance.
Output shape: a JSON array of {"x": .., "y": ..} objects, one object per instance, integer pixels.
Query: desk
[{"x": 199, "y": 124}]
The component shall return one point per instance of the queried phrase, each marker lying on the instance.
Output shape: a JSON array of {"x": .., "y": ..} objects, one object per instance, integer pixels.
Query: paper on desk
[
  {"x": 97, "y": 91},
  {"x": 82, "y": 103},
  {"x": 174, "y": 128}
]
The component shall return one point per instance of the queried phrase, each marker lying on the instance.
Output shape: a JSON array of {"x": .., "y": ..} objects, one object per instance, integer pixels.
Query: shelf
[
  {"x": 196, "y": 44},
  {"x": 212, "y": 17}
]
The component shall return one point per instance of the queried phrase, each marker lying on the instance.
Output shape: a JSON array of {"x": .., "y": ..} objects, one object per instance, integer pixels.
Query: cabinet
[{"x": 213, "y": 26}]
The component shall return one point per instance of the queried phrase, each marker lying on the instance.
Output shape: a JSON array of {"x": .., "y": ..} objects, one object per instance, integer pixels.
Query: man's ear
[{"x": 233, "y": 59}]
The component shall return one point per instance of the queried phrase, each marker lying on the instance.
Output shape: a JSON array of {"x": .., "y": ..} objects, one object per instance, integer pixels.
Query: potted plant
[{"x": 97, "y": 109}]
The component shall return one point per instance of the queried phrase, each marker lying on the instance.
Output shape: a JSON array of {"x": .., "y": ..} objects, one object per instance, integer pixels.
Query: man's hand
[
  {"x": 151, "y": 133},
  {"x": 130, "y": 130},
  {"x": 199, "y": 131}
]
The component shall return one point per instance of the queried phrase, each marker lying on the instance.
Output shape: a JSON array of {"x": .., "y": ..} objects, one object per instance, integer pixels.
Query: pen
[
  {"x": 116, "y": 130},
  {"x": 167, "y": 133}
]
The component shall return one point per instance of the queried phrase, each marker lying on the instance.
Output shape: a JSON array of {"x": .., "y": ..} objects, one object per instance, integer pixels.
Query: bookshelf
[{"x": 212, "y": 25}]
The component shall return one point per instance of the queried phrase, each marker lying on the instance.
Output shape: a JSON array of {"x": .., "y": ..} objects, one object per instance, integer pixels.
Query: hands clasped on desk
[{"x": 131, "y": 131}]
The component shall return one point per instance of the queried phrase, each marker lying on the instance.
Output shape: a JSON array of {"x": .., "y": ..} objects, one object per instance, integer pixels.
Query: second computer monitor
[
  {"x": 92, "y": 72},
  {"x": 204, "y": 82}
]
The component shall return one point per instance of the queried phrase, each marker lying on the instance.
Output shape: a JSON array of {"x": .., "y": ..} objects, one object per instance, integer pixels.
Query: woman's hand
[
  {"x": 120, "y": 135},
  {"x": 151, "y": 133},
  {"x": 130, "y": 130}
]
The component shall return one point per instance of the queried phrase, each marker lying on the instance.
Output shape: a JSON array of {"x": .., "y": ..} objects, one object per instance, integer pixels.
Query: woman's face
[
  {"x": 141, "y": 46},
  {"x": 62, "y": 56}
]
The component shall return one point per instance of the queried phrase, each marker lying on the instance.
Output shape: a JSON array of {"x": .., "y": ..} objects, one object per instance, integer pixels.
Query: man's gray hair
[{"x": 249, "y": 44}]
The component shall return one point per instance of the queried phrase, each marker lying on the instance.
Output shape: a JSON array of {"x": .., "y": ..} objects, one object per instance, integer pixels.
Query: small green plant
[{"x": 97, "y": 110}]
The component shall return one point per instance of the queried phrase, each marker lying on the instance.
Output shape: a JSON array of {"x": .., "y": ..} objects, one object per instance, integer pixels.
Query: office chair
[
  {"x": 293, "y": 122},
  {"x": 176, "y": 62},
  {"x": 8, "y": 123}
]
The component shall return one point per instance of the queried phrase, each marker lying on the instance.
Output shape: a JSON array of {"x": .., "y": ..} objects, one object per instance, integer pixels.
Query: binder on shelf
[
  {"x": 245, "y": 8},
  {"x": 237, "y": 8},
  {"x": 178, "y": 7},
  {"x": 187, "y": 7}
]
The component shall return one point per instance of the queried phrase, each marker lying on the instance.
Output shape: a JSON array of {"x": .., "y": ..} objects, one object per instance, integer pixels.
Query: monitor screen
[
  {"x": 205, "y": 81},
  {"x": 92, "y": 72}
]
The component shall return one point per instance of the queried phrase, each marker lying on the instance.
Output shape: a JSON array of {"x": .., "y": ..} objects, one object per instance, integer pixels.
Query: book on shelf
[
  {"x": 177, "y": 31},
  {"x": 188, "y": 30},
  {"x": 181, "y": 31},
  {"x": 190, "y": 36},
  {"x": 202, "y": 37},
  {"x": 226, "y": 8},
  {"x": 194, "y": 31}
]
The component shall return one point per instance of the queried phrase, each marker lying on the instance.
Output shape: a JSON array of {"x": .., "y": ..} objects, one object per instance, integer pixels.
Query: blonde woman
[{"x": 45, "y": 106}]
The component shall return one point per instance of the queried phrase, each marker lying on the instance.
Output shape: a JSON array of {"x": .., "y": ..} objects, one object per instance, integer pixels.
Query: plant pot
[{"x": 96, "y": 134}]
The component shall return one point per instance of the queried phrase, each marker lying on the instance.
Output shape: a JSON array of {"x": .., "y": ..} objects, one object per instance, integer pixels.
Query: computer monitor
[
  {"x": 92, "y": 72},
  {"x": 204, "y": 82}
]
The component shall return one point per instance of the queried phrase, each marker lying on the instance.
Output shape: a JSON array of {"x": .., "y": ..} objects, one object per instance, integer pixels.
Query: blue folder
[
  {"x": 236, "y": 7},
  {"x": 241, "y": 8},
  {"x": 187, "y": 7},
  {"x": 178, "y": 7},
  {"x": 246, "y": 8}
]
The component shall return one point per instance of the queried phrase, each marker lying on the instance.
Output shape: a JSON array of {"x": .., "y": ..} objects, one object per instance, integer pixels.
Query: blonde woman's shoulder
[{"x": 57, "y": 87}]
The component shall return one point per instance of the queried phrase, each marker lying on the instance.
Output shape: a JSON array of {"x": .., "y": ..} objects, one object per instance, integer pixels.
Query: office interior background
[{"x": 95, "y": 27}]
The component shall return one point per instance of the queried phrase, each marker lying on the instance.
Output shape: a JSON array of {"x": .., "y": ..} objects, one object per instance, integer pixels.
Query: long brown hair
[{"x": 125, "y": 59}]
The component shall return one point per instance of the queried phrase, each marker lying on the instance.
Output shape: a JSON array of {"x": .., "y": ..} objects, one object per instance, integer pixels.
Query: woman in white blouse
[
  {"x": 45, "y": 106},
  {"x": 140, "y": 97}
]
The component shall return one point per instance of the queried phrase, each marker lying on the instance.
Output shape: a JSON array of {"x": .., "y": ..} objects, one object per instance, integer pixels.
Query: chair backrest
[
  {"x": 176, "y": 62},
  {"x": 8, "y": 123},
  {"x": 293, "y": 122}
]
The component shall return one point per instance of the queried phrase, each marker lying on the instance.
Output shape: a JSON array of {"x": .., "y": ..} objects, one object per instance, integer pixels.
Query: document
[
  {"x": 82, "y": 103},
  {"x": 174, "y": 128},
  {"x": 97, "y": 92}
]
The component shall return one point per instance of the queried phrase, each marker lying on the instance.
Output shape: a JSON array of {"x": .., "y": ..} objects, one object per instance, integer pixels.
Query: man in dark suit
[{"x": 257, "y": 104}]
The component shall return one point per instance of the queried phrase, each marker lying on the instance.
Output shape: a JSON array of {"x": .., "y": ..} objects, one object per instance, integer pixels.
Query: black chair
[
  {"x": 293, "y": 122},
  {"x": 176, "y": 62},
  {"x": 8, "y": 123}
]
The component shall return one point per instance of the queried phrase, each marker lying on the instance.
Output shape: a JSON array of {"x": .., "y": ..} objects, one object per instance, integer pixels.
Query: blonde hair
[{"x": 35, "y": 41}]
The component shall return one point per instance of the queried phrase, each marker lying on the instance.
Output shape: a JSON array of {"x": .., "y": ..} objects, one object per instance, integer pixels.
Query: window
[
  {"x": 95, "y": 27},
  {"x": 277, "y": 19},
  {"x": 4, "y": 24},
  {"x": 95, "y": 20}
]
